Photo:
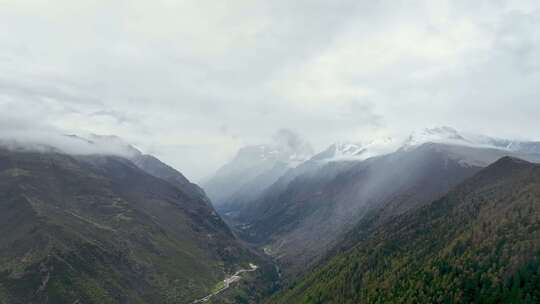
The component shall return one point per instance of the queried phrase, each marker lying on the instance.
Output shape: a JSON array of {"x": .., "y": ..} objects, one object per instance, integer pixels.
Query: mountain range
[
  {"x": 253, "y": 169},
  {"x": 310, "y": 208},
  {"x": 440, "y": 217}
]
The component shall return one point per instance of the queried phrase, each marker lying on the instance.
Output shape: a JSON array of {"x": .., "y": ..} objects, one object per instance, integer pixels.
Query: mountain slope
[
  {"x": 311, "y": 208},
  {"x": 97, "y": 229},
  {"x": 300, "y": 221},
  {"x": 157, "y": 168},
  {"x": 479, "y": 243},
  {"x": 251, "y": 171}
]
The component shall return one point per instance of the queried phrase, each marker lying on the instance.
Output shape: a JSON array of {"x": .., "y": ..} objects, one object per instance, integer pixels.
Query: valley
[
  {"x": 305, "y": 213},
  {"x": 346, "y": 225},
  {"x": 227, "y": 283},
  {"x": 322, "y": 209},
  {"x": 269, "y": 152}
]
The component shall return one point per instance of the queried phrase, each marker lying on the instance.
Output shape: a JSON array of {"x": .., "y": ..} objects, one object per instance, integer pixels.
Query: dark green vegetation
[
  {"x": 480, "y": 243},
  {"x": 98, "y": 229}
]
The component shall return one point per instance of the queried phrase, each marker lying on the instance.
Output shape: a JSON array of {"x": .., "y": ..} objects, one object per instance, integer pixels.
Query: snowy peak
[
  {"x": 287, "y": 147},
  {"x": 443, "y": 134},
  {"x": 450, "y": 136},
  {"x": 524, "y": 147},
  {"x": 272, "y": 153},
  {"x": 340, "y": 151},
  {"x": 347, "y": 151},
  {"x": 344, "y": 151}
]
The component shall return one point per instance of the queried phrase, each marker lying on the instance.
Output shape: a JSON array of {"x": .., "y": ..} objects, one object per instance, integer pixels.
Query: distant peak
[
  {"x": 347, "y": 148},
  {"x": 276, "y": 153},
  {"x": 343, "y": 151},
  {"x": 451, "y": 136},
  {"x": 443, "y": 134}
]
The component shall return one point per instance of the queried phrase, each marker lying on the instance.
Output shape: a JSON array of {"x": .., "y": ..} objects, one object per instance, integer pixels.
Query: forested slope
[{"x": 478, "y": 244}]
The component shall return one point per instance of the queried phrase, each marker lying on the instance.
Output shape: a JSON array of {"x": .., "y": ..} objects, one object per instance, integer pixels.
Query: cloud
[
  {"x": 288, "y": 140},
  {"x": 192, "y": 80},
  {"x": 16, "y": 134},
  {"x": 120, "y": 117}
]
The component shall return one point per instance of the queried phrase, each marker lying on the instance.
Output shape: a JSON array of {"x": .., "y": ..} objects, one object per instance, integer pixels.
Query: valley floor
[{"x": 227, "y": 283}]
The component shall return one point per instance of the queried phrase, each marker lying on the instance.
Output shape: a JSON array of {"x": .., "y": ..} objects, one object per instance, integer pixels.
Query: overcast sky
[{"x": 192, "y": 81}]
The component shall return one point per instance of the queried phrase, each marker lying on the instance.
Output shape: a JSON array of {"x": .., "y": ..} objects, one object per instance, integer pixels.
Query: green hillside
[{"x": 478, "y": 244}]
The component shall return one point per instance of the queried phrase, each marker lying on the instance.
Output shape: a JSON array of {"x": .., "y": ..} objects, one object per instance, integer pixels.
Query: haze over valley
[{"x": 185, "y": 152}]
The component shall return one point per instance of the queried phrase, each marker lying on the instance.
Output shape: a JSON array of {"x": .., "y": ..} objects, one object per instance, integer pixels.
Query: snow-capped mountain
[
  {"x": 350, "y": 151},
  {"x": 445, "y": 135},
  {"x": 260, "y": 170},
  {"x": 271, "y": 153},
  {"x": 344, "y": 151},
  {"x": 450, "y": 136}
]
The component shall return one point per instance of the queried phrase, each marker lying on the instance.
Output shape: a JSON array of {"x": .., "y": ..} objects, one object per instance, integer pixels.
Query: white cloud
[{"x": 192, "y": 80}]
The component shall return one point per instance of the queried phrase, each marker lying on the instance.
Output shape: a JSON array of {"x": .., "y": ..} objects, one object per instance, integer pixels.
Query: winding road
[{"x": 227, "y": 283}]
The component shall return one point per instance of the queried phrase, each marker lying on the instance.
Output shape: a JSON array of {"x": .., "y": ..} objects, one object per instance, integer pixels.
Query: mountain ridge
[{"x": 98, "y": 229}]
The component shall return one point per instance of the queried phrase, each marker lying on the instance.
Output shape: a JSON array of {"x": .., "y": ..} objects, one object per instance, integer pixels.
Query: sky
[{"x": 193, "y": 81}]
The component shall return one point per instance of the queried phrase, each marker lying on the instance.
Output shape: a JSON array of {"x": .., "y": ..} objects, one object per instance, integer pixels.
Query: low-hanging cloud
[
  {"x": 289, "y": 140},
  {"x": 19, "y": 135},
  {"x": 166, "y": 76}
]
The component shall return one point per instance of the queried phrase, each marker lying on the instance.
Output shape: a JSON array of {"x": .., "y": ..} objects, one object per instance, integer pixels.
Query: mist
[
  {"x": 190, "y": 81},
  {"x": 19, "y": 136}
]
